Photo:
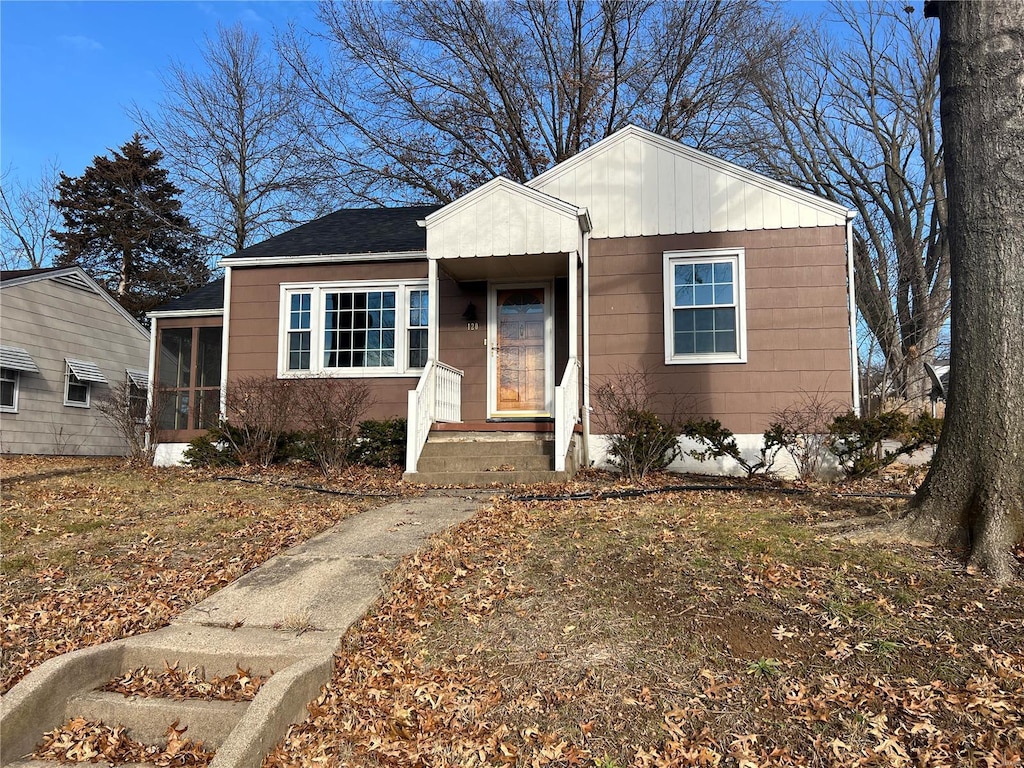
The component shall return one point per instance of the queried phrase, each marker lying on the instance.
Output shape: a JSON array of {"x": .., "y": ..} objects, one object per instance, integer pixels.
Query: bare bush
[
  {"x": 803, "y": 431},
  {"x": 642, "y": 432},
  {"x": 260, "y": 409},
  {"x": 123, "y": 407},
  {"x": 331, "y": 410}
]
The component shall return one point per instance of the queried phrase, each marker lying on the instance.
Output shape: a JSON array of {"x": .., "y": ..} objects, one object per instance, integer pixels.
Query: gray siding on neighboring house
[{"x": 54, "y": 321}]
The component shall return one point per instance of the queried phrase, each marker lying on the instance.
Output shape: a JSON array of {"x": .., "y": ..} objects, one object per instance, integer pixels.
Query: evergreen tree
[{"x": 123, "y": 224}]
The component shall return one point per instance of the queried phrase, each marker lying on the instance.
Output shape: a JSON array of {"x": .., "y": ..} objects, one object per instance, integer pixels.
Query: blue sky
[{"x": 68, "y": 70}]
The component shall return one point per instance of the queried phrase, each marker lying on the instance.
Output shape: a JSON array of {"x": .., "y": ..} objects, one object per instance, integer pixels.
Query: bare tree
[
  {"x": 27, "y": 215},
  {"x": 973, "y": 495},
  {"x": 426, "y": 100},
  {"x": 231, "y": 133},
  {"x": 851, "y": 114}
]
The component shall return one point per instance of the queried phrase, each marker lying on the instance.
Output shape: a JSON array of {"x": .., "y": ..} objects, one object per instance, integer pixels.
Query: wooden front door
[{"x": 520, "y": 354}]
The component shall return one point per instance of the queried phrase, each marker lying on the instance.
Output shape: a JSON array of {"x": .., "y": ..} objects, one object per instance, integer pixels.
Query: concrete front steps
[
  {"x": 67, "y": 687},
  {"x": 481, "y": 458}
]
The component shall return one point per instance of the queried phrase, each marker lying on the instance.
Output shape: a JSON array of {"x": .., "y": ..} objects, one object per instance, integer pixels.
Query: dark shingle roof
[
  {"x": 12, "y": 274},
  {"x": 350, "y": 230},
  {"x": 210, "y": 296}
]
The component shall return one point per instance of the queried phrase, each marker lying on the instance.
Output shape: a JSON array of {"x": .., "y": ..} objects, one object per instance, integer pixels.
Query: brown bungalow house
[{"x": 490, "y": 321}]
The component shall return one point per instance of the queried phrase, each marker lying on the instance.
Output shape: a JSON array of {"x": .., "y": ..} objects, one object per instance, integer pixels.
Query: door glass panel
[{"x": 521, "y": 356}]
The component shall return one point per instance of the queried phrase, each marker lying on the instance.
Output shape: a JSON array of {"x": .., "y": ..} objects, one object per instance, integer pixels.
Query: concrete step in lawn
[
  {"x": 146, "y": 719},
  {"x": 281, "y": 621}
]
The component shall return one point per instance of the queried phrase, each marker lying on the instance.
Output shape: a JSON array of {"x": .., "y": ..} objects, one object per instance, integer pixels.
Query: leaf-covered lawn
[
  {"x": 94, "y": 551},
  {"x": 698, "y": 628}
]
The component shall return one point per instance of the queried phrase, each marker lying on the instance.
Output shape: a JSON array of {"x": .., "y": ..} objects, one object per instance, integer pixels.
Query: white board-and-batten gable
[
  {"x": 636, "y": 182},
  {"x": 504, "y": 218}
]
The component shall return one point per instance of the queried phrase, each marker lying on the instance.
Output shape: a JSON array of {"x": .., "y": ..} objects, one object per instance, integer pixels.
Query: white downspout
[
  {"x": 586, "y": 349},
  {"x": 225, "y": 335},
  {"x": 150, "y": 399},
  {"x": 854, "y": 358}
]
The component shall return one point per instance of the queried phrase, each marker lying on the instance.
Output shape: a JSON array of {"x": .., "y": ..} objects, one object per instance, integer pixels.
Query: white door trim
[{"x": 492, "y": 351}]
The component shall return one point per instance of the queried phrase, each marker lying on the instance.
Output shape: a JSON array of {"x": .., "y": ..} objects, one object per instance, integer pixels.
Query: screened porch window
[{"x": 188, "y": 378}]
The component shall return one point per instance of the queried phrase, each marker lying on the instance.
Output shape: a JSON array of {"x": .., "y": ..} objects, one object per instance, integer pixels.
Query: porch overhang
[
  {"x": 506, "y": 268},
  {"x": 505, "y": 219}
]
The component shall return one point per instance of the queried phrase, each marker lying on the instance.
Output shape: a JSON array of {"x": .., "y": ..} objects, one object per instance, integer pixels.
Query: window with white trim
[
  {"x": 76, "y": 391},
  {"x": 9, "y": 385},
  {"x": 354, "y": 329},
  {"x": 705, "y": 318}
]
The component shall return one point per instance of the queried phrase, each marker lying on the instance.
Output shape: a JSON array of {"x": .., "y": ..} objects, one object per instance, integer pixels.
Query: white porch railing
[
  {"x": 437, "y": 397},
  {"x": 567, "y": 411}
]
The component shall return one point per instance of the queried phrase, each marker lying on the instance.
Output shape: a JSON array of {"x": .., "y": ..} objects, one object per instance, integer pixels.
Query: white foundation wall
[
  {"x": 749, "y": 445},
  {"x": 169, "y": 455}
]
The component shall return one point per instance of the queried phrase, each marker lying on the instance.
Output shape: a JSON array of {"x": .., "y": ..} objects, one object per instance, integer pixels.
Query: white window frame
[
  {"x": 735, "y": 256},
  {"x": 68, "y": 375},
  {"x": 317, "y": 291},
  {"x": 13, "y": 375}
]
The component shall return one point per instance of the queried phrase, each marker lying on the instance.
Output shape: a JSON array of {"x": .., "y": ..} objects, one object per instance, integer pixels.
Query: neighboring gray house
[{"x": 64, "y": 343}]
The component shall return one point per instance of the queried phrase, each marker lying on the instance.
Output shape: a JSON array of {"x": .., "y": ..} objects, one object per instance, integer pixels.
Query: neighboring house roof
[
  {"x": 348, "y": 231},
  {"x": 209, "y": 297},
  {"x": 75, "y": 277}
]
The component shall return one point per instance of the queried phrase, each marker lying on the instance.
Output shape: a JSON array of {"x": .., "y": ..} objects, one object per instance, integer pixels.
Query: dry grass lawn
[
  {"x": 703, "y": 628},
  {"x": 697, "y": 628},
  {"x": 93, "y": 550}
]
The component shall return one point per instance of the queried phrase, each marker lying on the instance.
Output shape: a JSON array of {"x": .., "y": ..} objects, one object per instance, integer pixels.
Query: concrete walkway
[{"x": 286, "y": 617}]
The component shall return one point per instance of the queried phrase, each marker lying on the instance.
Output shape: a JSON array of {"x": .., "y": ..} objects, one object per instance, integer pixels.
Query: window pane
[
  {"x": 725, "y": 319},
  {"x": 705, "y": 342},
  {"x": 703, "y": 274},
  {"x": 684, "y": 344},
  {"x": 683, "y": 320},
  {"x": 684, "y": 274},
  {"x": 7, "y": 391},
  {"x": 723, "y": 272},
  {"x": 723, "y": 294},
  {"x": 417, "y": 348},
  {"x": 704, "y": 319},
  {"x": 175, "y": 362},
  {"x": 208, "y": 357},
  {"x": 298, "y": 351},
  {"x": 725, "y": 341},
  {"x": 684, "y": 296},
  {"x": 703, "y": 295},
  {"x": 359, "y": 323}
]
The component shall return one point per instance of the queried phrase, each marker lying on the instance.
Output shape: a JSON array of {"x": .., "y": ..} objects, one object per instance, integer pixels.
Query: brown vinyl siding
[
  {"x": 255, "y": 323},
  {"x": 798, "y": 337}
]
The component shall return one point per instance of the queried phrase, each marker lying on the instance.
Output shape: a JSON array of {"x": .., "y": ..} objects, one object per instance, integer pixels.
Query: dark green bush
[
  {"x": 859, "y": 442},
  {"x": 644, "y": 443},
  {"x": 380, "y": 443},
  {"x": 211, "y": 449},
  {"x": 719, "y": 441}
]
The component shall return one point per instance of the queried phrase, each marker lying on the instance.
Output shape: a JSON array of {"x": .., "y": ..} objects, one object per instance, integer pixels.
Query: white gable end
[
  {"x": 502, "y": 218},
  {"x": 638, "y": 183}
]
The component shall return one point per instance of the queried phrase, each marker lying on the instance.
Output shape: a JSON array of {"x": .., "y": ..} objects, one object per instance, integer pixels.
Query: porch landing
[{"x": 491, "y": 453}]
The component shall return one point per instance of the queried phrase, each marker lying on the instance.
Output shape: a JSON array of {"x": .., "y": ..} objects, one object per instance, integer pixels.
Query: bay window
[{"x": 353, "y": 329}]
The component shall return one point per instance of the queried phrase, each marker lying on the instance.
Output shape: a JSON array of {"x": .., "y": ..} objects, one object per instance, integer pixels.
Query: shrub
[
  {"x": 381, "y": 443},
  {"x": 802, "y": 430},
  {"x": 259, "y": 409},
  {"x": 719, "y": 441},
  {"x": 859, "y": 442},
  {"x": 210, "y": 449},
  {"x": 640, "y": 440},
  {"x": 331, "y": 410},
  {"x": 123, "y": 407}
]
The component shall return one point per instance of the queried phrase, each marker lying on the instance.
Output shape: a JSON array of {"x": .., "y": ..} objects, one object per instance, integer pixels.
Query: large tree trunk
[{"x": 973, "y": 496}]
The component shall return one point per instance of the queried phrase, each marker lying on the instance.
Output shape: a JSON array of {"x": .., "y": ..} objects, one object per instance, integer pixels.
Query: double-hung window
[
  {"x": 353, "y": 329},
  {"x": 705, "y": 319}
]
